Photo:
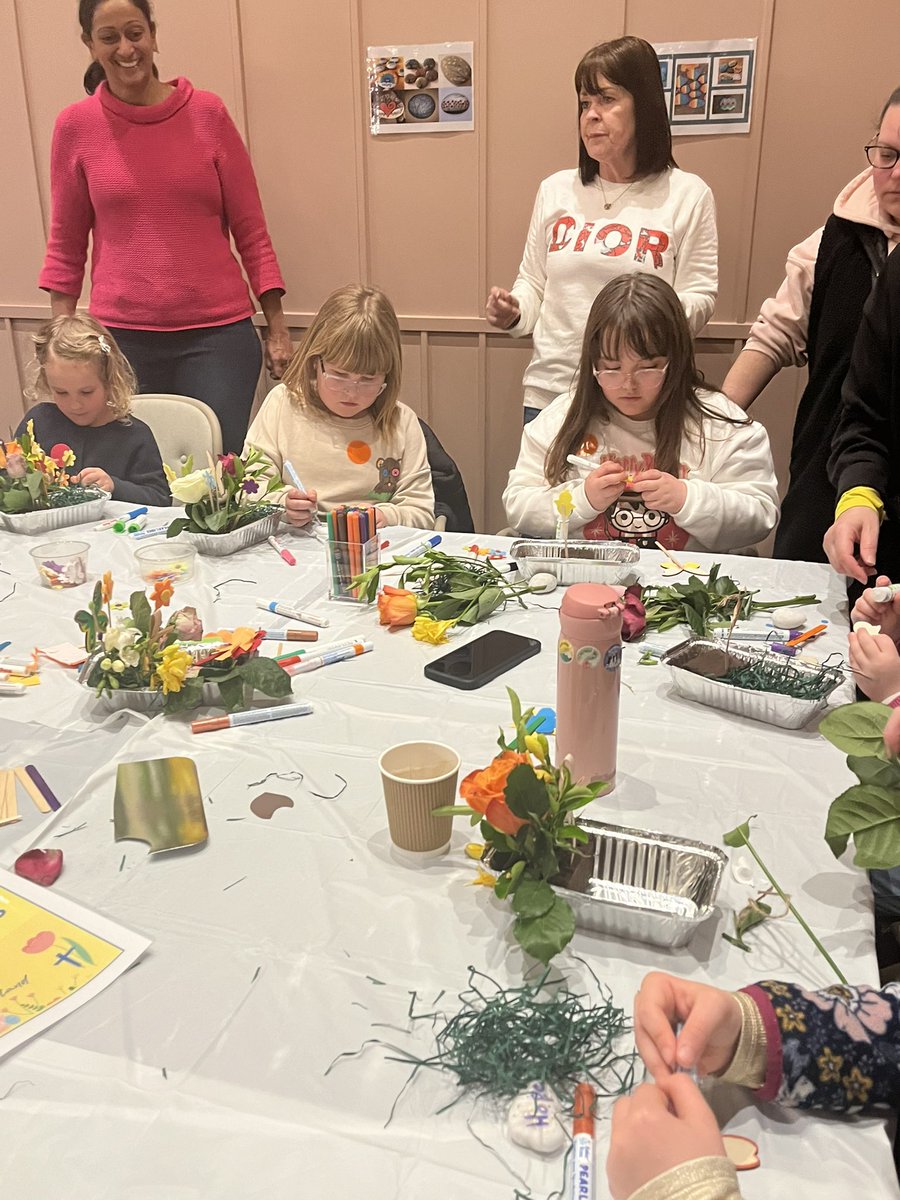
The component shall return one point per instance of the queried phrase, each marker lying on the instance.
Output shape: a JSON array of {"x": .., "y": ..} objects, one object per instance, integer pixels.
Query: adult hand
[
  {"x": 876, "y": 659},
  {"x": 855, "y": 527},
  {"x": 711, "y": 1020},
  {"x": 886, "y": 615},
  {"x": 659, "y": 1126},
  {"x": 604, "y": 485},
  {"x": 502, "y": 308},
  {"x": 300, "y": 507},
  {"x": 95, "y": 477},
  {"x": 279, "y": 351},
  {"x": 661, "y": 491}
]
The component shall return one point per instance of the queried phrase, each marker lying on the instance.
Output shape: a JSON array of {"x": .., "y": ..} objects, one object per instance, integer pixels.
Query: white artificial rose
[
  {"x": 193, "y": 487},
  {"x": 130, "y": 657},
  {"x": 120, "y": 636}
]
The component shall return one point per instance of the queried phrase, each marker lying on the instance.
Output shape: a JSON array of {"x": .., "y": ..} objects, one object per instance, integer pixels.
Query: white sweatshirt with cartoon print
[
  {"x": 732, "y": 493},
  {"x": 664, "y": 225}
]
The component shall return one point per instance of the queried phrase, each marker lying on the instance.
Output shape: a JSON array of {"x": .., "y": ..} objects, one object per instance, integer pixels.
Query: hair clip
[{"x": 104, "y": 344}]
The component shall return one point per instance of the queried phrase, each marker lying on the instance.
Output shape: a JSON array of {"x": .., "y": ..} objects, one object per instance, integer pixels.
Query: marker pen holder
[{"x": 345, "y": 561}]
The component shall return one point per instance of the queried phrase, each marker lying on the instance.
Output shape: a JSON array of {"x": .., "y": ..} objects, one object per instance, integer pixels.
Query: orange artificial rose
[
  {"x": 483, "y": 790},
  {"x": 396, "y": 606}
]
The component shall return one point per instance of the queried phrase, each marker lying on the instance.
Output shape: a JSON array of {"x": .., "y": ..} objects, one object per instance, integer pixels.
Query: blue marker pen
[
  {"x": 422, "y": 547},
  {"x": 295, "y": 478},
  {"x": 147, "y": 533},
  {"x": 129, "y": 516}
]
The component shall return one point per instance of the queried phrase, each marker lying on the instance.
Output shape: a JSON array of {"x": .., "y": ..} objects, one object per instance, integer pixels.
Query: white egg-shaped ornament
[
  {"x": 543, "y": 582},
  {"x": 535, "y": 1120},
  {"x": 789, "y": 618}
]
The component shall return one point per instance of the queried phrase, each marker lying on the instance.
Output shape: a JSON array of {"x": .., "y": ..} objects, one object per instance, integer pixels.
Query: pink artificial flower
[
  {"x": 634, "y": 615},
  {"x": 227, "y": 461},
  {"x": 16, "y": 467},
  {"x": 188, "y": 625},
  {"x": 858, "y": 1011}
]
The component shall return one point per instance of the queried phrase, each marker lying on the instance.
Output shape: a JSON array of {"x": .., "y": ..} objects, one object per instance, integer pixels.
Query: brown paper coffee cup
[{"x": 419, "y": 777}]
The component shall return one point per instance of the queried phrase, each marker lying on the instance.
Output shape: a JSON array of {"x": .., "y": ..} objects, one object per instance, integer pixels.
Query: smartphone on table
[{"x": 483, "y": 659}]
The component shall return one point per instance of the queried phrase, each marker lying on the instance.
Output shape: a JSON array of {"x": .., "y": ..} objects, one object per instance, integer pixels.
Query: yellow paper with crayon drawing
[{"x": 49, "y": 963}]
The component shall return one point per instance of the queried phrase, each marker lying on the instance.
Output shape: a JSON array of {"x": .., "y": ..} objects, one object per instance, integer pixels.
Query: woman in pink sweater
[{"x": 158, "y": 175}]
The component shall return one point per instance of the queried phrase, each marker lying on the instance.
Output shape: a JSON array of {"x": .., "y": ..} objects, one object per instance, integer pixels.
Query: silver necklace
[{"x": 607, "y": 204}]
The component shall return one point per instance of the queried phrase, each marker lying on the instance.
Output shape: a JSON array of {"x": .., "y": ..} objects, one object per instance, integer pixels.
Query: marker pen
[
  {"x": 421, "y": 548},
  {"x": 303, "y": 654},
  {"x": 752, "y": 635},
  {"x": 884, "y": 595},
  {"x": 130, "y": 524},
  {"x": 129, "y": 516},
  {"x": 148, "y": 533},
  {"x": 582, "y": 1178},
  {"x": 282, "y": 550},
  {"x": 252, "y": 716},
  {"x": 583, "y": 464},
  {"x": 334, "y": 656},
  {"x": 12, "y": 689},
  {"x": 290, "y": 635},
  {"x": 294, "y": 477},
  {"x": 293, "y": 614},
  {"x": 17, "y": 666}
]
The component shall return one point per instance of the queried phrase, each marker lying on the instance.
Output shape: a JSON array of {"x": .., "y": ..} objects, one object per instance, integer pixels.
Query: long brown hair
[
  {"x": 629, "y": 63},
  {"x": 641, "y": 313},
  {"x": 357, "y": 330}
]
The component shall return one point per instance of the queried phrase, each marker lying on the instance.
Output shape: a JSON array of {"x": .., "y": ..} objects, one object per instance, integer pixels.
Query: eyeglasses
[
  {"x": 882, "y": 157},
  {"x": 363, "y": 387},
  {"x": 644, "y": 377}
]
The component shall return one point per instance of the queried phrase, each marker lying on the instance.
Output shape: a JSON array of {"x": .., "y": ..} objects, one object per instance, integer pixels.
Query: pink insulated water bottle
[{"x": 588, "y": 670}]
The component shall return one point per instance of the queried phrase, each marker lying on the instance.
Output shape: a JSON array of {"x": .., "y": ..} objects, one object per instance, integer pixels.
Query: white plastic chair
[{"x": 182, "y": 427}]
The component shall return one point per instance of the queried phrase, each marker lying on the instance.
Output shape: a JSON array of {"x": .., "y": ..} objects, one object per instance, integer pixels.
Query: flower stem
[{"x": 787, "y": 901}]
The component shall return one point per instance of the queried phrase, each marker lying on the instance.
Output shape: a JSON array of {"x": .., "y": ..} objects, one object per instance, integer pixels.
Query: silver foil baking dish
[
  {"x": 643, "y": 886},
  {"x": 218, "y": 544},
  {"x": 582, "y": 562},
  {"x": 46, "y": 520},
  {"x": 784, "y": 711}
]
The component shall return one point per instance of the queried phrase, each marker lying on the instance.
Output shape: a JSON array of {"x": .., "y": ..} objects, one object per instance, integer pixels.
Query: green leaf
[
  {"x": 857, "y": 728},
  {"x": 17, "y": 500},
  {"x": 266, "y": 676},
  {"x": 452, "y": 810},
  {"x": 140, "y": 611},
  {"x": 231, "y": 690},
  {"x": 177, "y": 526},
  {"x": 533, "y": 898},
  {"x": 543, "y": 937},
  {"x": 526, "y": 796},
  {"x": 871, "y": 816},
  {"x": 881, "y": 772},
  {"x": 739, "y": 836},
  {"x": 573, "y": 833}
]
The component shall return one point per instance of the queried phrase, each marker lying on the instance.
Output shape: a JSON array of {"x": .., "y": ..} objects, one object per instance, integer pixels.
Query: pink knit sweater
[{"x": 160, "y": 188}]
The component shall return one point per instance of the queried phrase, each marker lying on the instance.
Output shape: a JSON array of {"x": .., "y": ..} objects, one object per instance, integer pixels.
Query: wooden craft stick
[
  {"x": 32, "y": 789},
  {"x": 42, "y": 786},
  {"x": 9, "y": 808}
]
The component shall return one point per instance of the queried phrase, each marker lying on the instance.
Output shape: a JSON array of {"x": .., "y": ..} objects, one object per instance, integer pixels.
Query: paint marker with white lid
[{"x": 281, "y": 609}]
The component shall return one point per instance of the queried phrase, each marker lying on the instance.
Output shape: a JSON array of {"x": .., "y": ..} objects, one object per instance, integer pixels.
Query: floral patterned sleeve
[{"x": 837, "y": 1049}]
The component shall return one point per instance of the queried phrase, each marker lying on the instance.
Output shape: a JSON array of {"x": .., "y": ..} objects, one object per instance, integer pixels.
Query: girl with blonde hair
[
  {"x": 337, "y": 419},
  {"x": 665, "y": 459},
  {"x": 82, "y": 393}
]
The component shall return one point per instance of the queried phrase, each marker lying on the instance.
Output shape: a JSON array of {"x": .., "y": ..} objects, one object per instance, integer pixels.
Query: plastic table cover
[{"x": 281, "y": 943}]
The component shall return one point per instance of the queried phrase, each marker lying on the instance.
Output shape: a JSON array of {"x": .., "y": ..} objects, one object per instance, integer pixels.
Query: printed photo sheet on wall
[
  {"x": 708, "y": 85},
  {"x": 424, "y": 88}
]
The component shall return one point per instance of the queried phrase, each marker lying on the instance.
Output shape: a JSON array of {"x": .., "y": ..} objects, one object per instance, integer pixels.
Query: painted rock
[
  {"x": 457, "y": 71},
  {"x": 455, "y": 103},
  {"x": 535, "y": 1120}
]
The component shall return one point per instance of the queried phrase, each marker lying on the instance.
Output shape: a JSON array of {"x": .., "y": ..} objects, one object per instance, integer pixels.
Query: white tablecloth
[{"x": 278, "y": 945}]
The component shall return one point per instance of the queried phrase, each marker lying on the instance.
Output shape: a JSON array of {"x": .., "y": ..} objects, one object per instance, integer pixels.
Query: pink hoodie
[{"x": 780, "y": 329}]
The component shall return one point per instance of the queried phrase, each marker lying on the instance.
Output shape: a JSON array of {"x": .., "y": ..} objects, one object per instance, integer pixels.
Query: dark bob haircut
[{"x": 629, "y": 63}]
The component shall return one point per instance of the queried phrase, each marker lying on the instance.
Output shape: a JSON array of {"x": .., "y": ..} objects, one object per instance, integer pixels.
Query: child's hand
[
  {"x": 711, "y": 1022},
  {"x": 659, "y": 1127},
  {"x": 885, "y": 615},
  {"x": 94, "y": 477},
  {"x": 380, "y": 520},
  {"x": 604, "y": 485},
  {"x": 501, "y": 309},
  {"x": 300, "y": 507},
  {"x": 661, "y": 491},
  {"x": 878, "y": 663}
]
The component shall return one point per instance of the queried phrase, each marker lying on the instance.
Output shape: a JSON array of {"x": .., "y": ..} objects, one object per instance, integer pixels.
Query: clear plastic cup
[
  {"x": 61, "y": 564},
  {"x": 166, "y": 560}
]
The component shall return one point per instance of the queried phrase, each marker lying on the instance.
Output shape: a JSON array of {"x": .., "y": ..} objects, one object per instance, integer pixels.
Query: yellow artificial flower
[
  {"x": 564, "y": 504},
  {"x": 107, "y": 587},
  {"x": 475, "y": 849},
  {"x": 483, "y": 878},
  {"x": 433, "y": 632},
  {"x": 172, "y": 669}
]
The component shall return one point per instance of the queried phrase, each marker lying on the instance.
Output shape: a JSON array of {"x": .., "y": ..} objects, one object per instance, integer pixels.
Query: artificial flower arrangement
[
  {"x": 139, "y": 652},
  {"x": 32, "y": 480},
  {"x": 225, "y": 495},
  {"x": 524, "y": 806},
  {"x": 449, "y": 591}
]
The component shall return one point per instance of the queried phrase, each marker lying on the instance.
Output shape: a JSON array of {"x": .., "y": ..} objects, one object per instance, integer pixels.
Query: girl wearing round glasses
[
  {"x": 813, "y": 319},
  {"x": 337, "y": 419},
  {"x": 675, "y": 462}
]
